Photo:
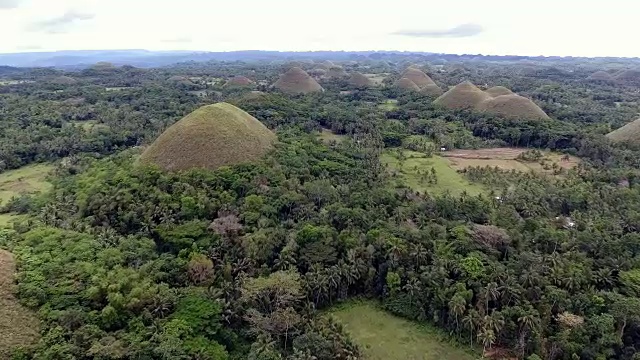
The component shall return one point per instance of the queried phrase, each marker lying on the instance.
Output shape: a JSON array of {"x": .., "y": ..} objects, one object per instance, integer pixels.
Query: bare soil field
[
  {"x": 507, "y": 159},
  {"x": 18, "y": 325}
]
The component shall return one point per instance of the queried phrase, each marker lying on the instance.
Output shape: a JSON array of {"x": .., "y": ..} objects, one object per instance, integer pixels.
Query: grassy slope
[
  {"x": 327, "y": 136},
  {"x": 28, "y": 179},
  {"x": 6, "y": 220},
  {"x": 211, "y": 136},
  {"x": 448, "y": 178},
  {"x": 383, "y": 336},
  {"x": 18, "y": 326}
]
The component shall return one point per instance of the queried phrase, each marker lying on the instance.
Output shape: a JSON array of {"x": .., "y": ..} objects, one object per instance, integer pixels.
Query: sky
[{"x": 497, "y": 27}]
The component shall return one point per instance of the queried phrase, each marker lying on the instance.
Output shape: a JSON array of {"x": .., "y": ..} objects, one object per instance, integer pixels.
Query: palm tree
[
  {"x": 490, "y": 293},
  {"x": 487, "y": 337},
  {"x": 510, "y": 292},
  {"x": 494, "y": 322},
  {"x": 334, "y": 280},
  {"x": 420, "y": 255},
  {"x": 471, "y": 322},
  {"x": 457, "y": 306},
  {"x": 412, "y": 287}
]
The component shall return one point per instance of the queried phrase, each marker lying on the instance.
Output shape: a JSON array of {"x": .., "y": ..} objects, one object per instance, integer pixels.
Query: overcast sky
[{"x": 546, "y": 27}]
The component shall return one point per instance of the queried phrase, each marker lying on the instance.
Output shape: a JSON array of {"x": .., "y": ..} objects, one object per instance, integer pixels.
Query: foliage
[{"x": 128, "y": 262}]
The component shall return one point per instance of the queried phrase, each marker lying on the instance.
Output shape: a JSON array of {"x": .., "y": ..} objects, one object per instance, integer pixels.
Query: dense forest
[{"x": 123, "y": 261}]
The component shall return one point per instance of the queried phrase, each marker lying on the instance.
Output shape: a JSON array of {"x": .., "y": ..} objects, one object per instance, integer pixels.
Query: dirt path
[{"x": 18, "y": 325}]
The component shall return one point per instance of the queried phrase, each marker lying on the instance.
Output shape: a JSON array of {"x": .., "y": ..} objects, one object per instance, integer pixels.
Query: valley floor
[{"x": 383, "y": 336}]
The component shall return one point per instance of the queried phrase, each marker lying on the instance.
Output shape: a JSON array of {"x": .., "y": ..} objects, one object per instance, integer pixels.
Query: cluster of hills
[
  {"x": 414, "y": 79},
  {"x": 497, "y": 101}
]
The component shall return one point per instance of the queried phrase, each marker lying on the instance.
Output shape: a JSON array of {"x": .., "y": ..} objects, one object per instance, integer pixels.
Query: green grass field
[
  {"x": 383, "y": 336},
  {"x": 327, "y": 135},
  {"x": 389, "y": 105},
  {"x": 6, "y": 220},
  {"x": 448, "y": 178},
  {"x": 26, "y": 180}
]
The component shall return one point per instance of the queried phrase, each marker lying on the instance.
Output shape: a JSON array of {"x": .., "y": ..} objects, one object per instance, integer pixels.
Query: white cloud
[
  {"x": 60, "y": 24},
  {"x": 9, "y": 4},
  {"x": 547, "y": 27}
]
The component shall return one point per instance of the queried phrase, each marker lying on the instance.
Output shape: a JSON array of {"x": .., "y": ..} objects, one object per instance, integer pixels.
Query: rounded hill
[
  {"x": 336, "y": 72},
  {"x": 406, "y": 84},
  {"x": 177, "y": 78},
  {"x": 239, "y": 81},
  {"x": 512, "y": 106},
  {"x": 297, "y": 81},
  {"x": 432, "y": 90},
  {"x": 462, "y": 96},
  {"x": 601, "y": 76},
  {"x": 499, "y": 90},
  {"x": 359, "y": 80},
  {"x": 629, "y": 133},
  {"x": 418, "y": 77},
  {"x": 211, "y": 136},
  {"x": 632, "y": 75},
  {"x": 103, "y": 65},
  {"x": 63, "y": 80}
]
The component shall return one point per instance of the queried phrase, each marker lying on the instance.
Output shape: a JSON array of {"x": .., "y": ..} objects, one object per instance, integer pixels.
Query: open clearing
[
  {"x": 383, "y": 336},
  {"x": 389, "y": 105},
  {"x": 507, "y": 159},
  {"x": 18, "y": 325},
  {"x": 6, "y": 220},
  {"x": 413, "y": 168},
  {"x": 327, "y": 136},
  {"x": 26, "y": 180}
]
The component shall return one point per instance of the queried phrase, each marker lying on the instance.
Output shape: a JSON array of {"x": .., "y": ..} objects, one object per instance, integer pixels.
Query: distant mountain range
[{"x": 70, "y": 59}]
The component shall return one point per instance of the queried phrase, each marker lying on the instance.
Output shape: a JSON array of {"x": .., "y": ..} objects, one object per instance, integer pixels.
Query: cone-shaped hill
[
  {"x": 103, "y": 65},
  {"x": 63, "y": 80},
  {"x": 238, "y": 81},
  {"x": 297, "y": 81},
  {"x": 462, "y": 96},
  {"x": 629, "y": 133},
  {"x": 601, "y": 76},
  {"x": 292, "y": 64},
  {"x": 177, "y": 78},
  {"x": 432, "y": 90},
  {"x": 406, "y": 84},
  {"x": 512, "y": 106},
  {"x": 499, "y": 90},
  {"x": 336, "y": 72},
  {"x": 317, "y": 72},
  {"x": 418, "y": 77},
  {"x": 631, "y": 75},
  {"x": 359, "y": 80},
  {"x": 211, "y": 136}
]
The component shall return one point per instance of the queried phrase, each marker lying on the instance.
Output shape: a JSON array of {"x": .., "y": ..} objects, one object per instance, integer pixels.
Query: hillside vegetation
[{"x": 471, "y": 231}]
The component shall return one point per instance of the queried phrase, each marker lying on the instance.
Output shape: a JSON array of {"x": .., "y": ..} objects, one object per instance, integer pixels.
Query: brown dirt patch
[
  {"x": 18, "y": 325},
  {"x": 507, "y": 159}
]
